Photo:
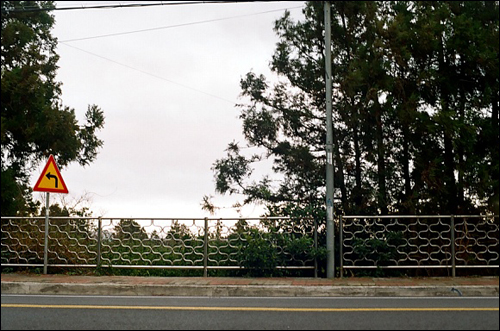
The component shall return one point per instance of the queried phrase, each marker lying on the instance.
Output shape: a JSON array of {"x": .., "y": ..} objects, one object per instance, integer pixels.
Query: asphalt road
[{"x": 56, "y": 312}]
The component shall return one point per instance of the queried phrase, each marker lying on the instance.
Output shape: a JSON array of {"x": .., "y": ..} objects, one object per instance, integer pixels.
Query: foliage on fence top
[{"x": 256, "y": 247}]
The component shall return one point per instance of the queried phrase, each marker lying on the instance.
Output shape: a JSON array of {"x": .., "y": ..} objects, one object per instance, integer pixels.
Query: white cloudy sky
[{"x": 168, "y": 90}]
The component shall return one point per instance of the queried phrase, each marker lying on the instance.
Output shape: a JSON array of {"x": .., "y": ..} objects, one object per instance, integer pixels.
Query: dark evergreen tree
[
  {"x": 35, "y": 123},
  {"x": 415, "y": 111}
]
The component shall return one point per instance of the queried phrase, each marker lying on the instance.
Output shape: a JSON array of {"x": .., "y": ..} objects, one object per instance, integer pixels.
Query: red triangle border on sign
[{"x": 63, "y": 189}]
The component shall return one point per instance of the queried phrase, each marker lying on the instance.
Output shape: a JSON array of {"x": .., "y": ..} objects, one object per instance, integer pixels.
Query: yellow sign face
[{"x": 51, "y": 180}]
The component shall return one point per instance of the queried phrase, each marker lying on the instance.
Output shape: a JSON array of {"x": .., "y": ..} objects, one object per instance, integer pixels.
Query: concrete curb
[{"x": 247, "y": 290}]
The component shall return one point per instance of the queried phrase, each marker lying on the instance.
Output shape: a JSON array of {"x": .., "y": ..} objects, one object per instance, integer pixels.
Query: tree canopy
[
  {"x": 35, "y": 123},
  {"x": 415, "y": 112}
]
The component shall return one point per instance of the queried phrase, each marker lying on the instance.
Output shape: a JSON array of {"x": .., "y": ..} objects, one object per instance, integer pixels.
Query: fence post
[
  {"x": 453, "y": 261},
  {"x": 341, "y": 244},
  {"x": 99, "y": 227},
  {"x": 205, "y": 250},
  {"x": 316, "y": 248}
]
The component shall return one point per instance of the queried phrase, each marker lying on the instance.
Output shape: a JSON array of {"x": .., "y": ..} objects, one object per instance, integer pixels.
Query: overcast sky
[{"x": 167, "y": 78}]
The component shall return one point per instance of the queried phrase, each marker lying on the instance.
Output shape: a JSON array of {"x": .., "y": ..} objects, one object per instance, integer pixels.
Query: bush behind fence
[
  {"x": 257, "y": 246},
  {"x": 277, "y": 246},
  {"x": 447, "y": 242}
]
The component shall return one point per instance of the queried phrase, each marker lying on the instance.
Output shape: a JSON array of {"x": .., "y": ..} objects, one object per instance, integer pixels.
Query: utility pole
[{"x": 330, "y": 228}]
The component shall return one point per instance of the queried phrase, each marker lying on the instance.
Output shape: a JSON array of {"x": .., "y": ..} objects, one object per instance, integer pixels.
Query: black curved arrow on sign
[{"x": 49, "y": 176}]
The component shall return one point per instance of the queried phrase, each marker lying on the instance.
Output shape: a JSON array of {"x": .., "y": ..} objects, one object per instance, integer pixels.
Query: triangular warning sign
[{"x": 51, "y": 180}]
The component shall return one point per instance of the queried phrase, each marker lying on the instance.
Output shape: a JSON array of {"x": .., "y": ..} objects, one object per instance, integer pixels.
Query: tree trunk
[
  {"x": 382, "y": 193},
  {"x": 460, "y": 153},
  {"x": 449, "y": 165},
  {"x": 357, "y": 192},
  {"x": 340, "y": 176},
  {"x": 407, "y": 206},
  {"x": 494, "y": 200}
]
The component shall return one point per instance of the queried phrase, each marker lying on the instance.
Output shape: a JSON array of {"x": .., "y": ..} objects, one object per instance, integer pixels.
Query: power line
[
  {"x": 150, "y": 74},
  {"x": 65, "y": 42},
  {"x": 162, "y": 3},
  {"x": 179, "y": 25}
]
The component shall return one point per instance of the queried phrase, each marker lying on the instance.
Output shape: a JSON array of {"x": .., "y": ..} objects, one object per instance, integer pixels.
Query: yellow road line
[{"x": 243, "y": 308}]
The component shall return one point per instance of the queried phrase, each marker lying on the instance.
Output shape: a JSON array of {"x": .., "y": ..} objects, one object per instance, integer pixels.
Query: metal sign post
[
  {"x": 49, "y": 181},
  {"x": 46, "y": 245}
]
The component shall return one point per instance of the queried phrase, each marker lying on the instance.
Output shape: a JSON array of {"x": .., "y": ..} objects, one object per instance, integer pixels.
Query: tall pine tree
[
  {"x": 415, "y": 111},
  {"x": 35, "y": 124}
]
